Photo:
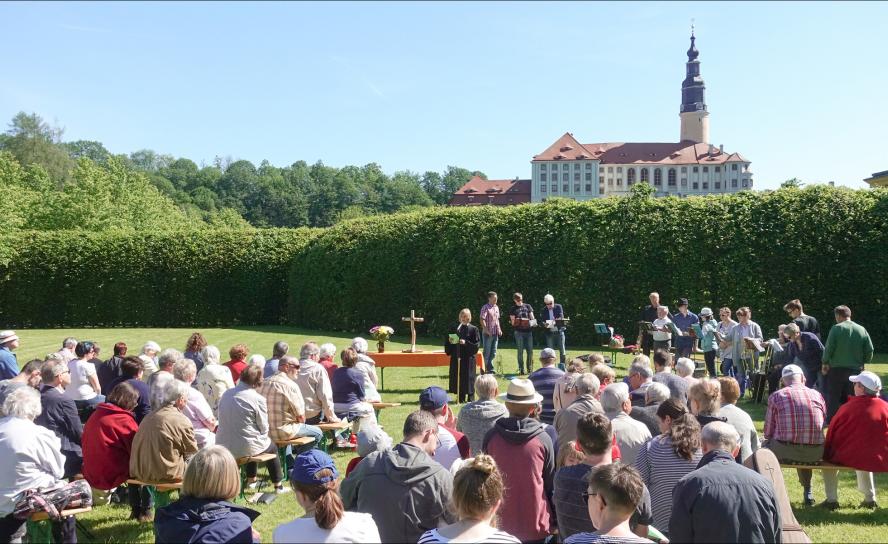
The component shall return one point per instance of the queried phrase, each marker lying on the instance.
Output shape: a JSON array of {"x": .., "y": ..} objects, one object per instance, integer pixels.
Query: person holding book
[
  {"x": 663, "y": 328},
  {"x": 521, "y": 317},
  {"x": 462, "y": 345},
  {"x": 648, "y": 315},
  {"x": 684, "y": 319},
  {"x": 553, "y": 318}
]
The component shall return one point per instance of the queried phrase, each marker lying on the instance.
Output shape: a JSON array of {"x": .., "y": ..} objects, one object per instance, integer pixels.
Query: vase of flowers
[{"x": 381, "y": 333}]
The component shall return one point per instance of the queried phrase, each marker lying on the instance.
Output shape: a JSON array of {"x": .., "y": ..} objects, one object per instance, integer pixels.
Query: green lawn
[{"x": 109, "y": 523}]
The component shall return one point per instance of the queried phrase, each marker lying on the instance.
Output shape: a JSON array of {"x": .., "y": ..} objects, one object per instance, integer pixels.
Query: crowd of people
[{"x": 574, "y": 455}]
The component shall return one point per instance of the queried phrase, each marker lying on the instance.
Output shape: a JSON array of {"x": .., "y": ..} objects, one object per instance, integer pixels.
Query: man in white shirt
[
  {"x": 314, "y": 384},
  {"x": 631, "y": 434}
]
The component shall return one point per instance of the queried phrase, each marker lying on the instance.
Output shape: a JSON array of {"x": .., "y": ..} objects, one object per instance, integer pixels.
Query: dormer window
[
  {"x": 559, "y": 157},
  {"x": 567, "y": 147}
]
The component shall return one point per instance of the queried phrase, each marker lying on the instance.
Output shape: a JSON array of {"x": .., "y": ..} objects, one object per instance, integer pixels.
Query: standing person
[
  {"x": 525, "y": 455},
  {"x": 664, "y": 329},
  {"x": 544, "y": 382},
  {"x": 67, "y": 352},
  {"x": 149, "y": 359},
  {"x": 521, "y": 317},
  {"x": 452, "y": 444},
  {"x": 110, "y": 370},
  {"x": 197, "y": 410},
  {"x": 478, "y": 417},
  {"x": 708, "y": 340},
  {"x": 462, "y": 345},
  {"x": 804, "y": 349},
  {"x": 648, "y": 314},
  {"x": 594, "y": 438},
  {"x": 194, "y": 350},
  {"x": 805, "y": 322},
  {"x": 848, "y": 350},
  {"x": 552, "y": 312},
  {"x": 723, "y": 501},
  {"x": 744, "y": 359},
  {"x": 279, "y": 349},
  {"x": 478, "y": 491},
  {"x": 794, "y": 425},
  {"x": 684, "y": 320},
  {"x": 214, "y": 379},
  {"x": 858, "y": 438},
  {"x": 59, "y": 414},
  {"x": 238, "y": 354},
  {"x": 723, "y": 332},
  {"x": 631, "y": 434},
  {"x": 491, "y": 330},
  {"x": 417, "y": 489},
  {"x": 315, "y": 482},
  {"x": 9, "y": 368}
]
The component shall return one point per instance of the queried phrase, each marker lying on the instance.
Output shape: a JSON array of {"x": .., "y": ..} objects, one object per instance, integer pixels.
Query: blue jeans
[
  {"x": 555, "y": 340},
  {"x": 490, "y": 343},
  {"x": 524, "y": 342}
]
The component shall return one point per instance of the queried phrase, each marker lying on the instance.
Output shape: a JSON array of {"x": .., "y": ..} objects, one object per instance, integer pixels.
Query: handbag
[{"x": 53, "y": 500}]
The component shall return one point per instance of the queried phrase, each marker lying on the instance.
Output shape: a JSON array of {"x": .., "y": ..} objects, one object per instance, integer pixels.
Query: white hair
[
  {"x": 69, "y": 342},
  {"x": 642, "y": 370},
  {"x": 23, "y": 402},
  {"x": 327, "y": 350},
  {"x": 211, "y": 355},
  {"x": 614, "y": 396},
  {"x": 308, "y": 349},
  {"x": 485, "y": 386},
  {"x": 664, "y": 308},
  {"x": 256, "y": 359},
  {"x": 685, "y": 367},
  {"x": 720, "y": 435},
  {"x": 642, "y": 359},
  {"x": 185, "y": 370},
  {"x": 656, "y": 392},
  {"x": 174, "y": 391},
  {"x": 360, "y": 345},
  {"x": 548, "y": 298},
  {"x": 152, "y": 345},
  {"x": 587, "y": 383},
  {"x": 169, "y": 356}
]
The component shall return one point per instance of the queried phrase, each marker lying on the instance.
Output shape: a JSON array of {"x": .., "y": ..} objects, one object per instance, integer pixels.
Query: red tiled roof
[
  {"x": 637, "y": 152},
  {"x": 479, "y": 191}
]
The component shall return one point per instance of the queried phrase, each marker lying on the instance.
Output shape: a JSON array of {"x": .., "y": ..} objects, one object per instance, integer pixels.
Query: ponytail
[{"x": 328, "y": 507}]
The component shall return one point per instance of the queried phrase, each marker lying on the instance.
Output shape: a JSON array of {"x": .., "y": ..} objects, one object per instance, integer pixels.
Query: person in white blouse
[
  {"x": 149, "y": 359},
  {"x": 197, "y": 410},
  {"x": 84, "y": 387},
  {"x": 214, "y": 379}
]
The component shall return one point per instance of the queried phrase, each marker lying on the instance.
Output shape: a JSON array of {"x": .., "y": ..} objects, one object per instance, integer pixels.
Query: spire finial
[
  {"x": 692, "y": 51},
  {"x": 692, "y": 27}
]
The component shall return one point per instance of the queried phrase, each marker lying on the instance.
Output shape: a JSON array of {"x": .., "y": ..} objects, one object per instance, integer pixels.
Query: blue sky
[{"x": 797, "y": 88}]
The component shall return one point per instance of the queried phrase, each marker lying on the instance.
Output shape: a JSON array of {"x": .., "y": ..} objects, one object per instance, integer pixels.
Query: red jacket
[
  {"x": 858, "y": 435},
  {"x": 107, "y": 442},
  {"x": 329, "y": 366},
  {"x": 236, "y": 367}
]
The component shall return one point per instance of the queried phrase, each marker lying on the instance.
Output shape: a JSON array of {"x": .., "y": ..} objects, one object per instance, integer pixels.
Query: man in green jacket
[{"x": 848, "y": 349}]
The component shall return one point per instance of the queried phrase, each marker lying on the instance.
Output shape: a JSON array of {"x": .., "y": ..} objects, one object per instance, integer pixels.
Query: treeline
[{"x": 80, "y": 184}]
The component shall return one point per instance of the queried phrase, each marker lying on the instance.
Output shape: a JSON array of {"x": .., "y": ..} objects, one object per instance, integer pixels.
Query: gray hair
[
  {"x": 586, "y": 384},
  {"x": 287, "y": 360},
  {"x": 152, "y": 345},
  {"x": 23, "y": 402},
  {"x": 185, "y": 370},
  {"x": 48, "y": 370},
  {"x": 656, "y": 392},
  {"x": 485, "y": 386},
  {"x": 360, "y": 345},
  {"x": 720, "y": 435},
  {"x": 327, "y": 350},
  {"x": 642, "y": 359},
  {"x": 280, "y": 349},
  {"x": 685, "y": 367},
  {"x": 791, "y": 329},
  {"x": 174, "y": 391},
  {"x": 664, "y": 308},
  {"x": 642, "y": 370},
  {"x": 548, "y": 298},
  {"x": 211, "y": 355},
  {"x": 69, "y": 342},
  {"x": 256, "y": 359},
  {"x": 169, "y": 357},
  {"x": 614, "y": 396},
  {"x": 308, "y": 349}
]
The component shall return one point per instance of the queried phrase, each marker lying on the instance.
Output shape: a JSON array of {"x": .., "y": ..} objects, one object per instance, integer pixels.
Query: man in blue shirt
[
  {"x": 683, "y": 319},
  {"x": 9, "y": 367},
  {"x": 544, "y": 382}
]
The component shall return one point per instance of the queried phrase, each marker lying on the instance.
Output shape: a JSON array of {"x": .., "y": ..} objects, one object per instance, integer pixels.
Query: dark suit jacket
[
  {"x": 470, "y": 334},
  {"x": 557, "y": 312},
  {"x": 60, "y": 416}
]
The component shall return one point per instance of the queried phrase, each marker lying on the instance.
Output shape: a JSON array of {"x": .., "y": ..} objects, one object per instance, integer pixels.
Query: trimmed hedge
[
  {"x": 600, "y": 259},
  {"x": 164, "y": 279}
]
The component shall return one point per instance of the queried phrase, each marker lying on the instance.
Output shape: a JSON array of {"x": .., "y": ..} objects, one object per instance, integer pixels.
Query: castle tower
[{"x": 694, "y": 117}]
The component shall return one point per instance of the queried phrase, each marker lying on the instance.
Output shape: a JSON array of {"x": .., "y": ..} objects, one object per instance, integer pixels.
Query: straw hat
[{"x": 521, "y": 391}]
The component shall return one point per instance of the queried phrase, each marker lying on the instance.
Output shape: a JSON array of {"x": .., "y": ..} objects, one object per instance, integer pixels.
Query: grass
[{"x": 110, "y": 524}]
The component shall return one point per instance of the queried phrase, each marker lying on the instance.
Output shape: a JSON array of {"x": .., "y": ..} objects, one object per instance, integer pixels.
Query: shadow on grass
[{"x": 847, "y": 514}]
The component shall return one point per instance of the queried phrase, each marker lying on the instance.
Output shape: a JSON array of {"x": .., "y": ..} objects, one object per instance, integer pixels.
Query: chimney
[
  {"x": 832, "y": 183},
  {"x": 721, "y": 148}
]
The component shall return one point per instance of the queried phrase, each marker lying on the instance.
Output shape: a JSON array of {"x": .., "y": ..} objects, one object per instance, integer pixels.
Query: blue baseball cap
[
  {"x": 307, "y": 466},
  {"x": 433, "y": 398}
]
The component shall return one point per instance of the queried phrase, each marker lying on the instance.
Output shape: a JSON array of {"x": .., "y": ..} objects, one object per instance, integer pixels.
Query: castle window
[
  {"x": 705, "y": 169},
  {"x": 554, "y": 166},
  {"x": 684, "y": 169},
  {"x": 684, "y": 182},
  {"x": 658, "y": 177},
  {"x": 696, "y": 169},
  {"x": 696, "y": 185},
  {"x": 564, "y": 177},
  {"x": 542, "y": 176},
  {"x": 718, "y": 168},
  {"x": 610, "y": 182},
  {"x": 576, "y": 166},
  {"x": 588, "y": 187},
  {"x": 601, "y": 180},
  {"x": 554, "y": 187},
  {"x": 644, "y": 175},
  {"x": 576, "y": 176},
  {"x": 705, "y": 185},
  {"x": 619, "y": 182},
  {"x": 746, "y": 183},
  {"x": 588, "y": 166},
  {"x": 471, "y": 199},
  {"x": 576, "y": 187},
  {"x": 630, "y": 176},
  {"x": 543, "y": 167},
  {"x": 671, "y": 177},
  {"x": 565, "y": 188},
  {"x": 718, "y": 185},
  {"x": 588, "y": 176},
  {"x": 619, "y": 169},
  {"x": 734, "y": 183},
  {"x": 543, "y": 188},
  {"x": 733, "y": 167},
  {"x": 610, "y": 169}
]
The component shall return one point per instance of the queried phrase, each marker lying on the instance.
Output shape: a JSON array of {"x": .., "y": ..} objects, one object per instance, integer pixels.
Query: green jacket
[{"x": 848, "y": 346}]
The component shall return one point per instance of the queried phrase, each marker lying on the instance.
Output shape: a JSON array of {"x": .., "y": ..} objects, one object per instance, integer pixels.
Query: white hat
[
  {"x": 521, "y": 391},
  {"x": 867, "y": 379},
  {"x": 706, "y": 311},
  {"x": 8, "y": 336},
  {"x": 790, "y": 370},
  {"x": 548, "y": 353}
]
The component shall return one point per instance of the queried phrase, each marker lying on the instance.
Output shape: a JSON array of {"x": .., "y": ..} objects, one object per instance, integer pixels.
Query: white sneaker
[
  {"x": 253, "y": 485},
  {"x": 281, "y": 489}
]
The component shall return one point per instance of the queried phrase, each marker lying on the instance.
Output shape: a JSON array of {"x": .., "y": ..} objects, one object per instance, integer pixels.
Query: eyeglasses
[{"x": 587, "y": 494}]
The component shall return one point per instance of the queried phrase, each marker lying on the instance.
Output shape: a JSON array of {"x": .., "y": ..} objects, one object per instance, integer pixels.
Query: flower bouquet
[
  {"x": 616, "y": 342},
  {"x": 381, "y": 333}
]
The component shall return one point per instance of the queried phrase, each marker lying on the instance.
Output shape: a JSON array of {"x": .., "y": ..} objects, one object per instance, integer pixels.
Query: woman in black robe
[{"x": 462, "y": 356}]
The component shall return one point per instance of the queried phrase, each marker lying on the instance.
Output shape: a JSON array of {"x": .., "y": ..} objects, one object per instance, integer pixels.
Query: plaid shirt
[
  {"x": 490, "y": 316},
  {"x": 285, "y": 406},
  {"x": 795, "y": 415}
]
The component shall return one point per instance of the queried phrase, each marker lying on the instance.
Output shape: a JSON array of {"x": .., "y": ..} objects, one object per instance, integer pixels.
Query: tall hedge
[
  {"x": 201, "y": 277},
  {"x": 600, "y": 259}
]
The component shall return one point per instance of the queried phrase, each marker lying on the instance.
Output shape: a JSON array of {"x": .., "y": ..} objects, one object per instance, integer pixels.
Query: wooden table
[
  {"x": 377, "y": 406},
  {"x": 414, "y": 360}
]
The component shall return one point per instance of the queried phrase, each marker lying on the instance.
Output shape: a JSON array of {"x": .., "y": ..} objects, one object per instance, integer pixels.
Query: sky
[{"x": 799, "y": 89}]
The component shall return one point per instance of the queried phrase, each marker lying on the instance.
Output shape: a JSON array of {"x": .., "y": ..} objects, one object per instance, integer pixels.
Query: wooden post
[{"x": 413, "y": 321}]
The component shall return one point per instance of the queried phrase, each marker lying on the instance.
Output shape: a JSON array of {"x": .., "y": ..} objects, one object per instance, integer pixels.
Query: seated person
[
  {"x": 367, "y": 366},
  {"x": 565, "y": 392},
  {"x": 243, "y": 426},
  {"x": 452, "y": 444},
  {"x": 370, "y": 439},
  {"x": 476, "y": 418},
  {"x": 107, "y": 442},
  {"x": 349, "y": 397},
  {"x": 605, "y": 374},
  {"x": 736, "y": 416},
  {"x": 39, "y": 462},
  {"x": 165, "y": 439},
  {"x": 685, "y": 368},
  {"x": 640, "y": 377},
  {"x": 704, "y": 400},
  {"x": 615, "y": 492},
  {"x": 84, "y": 386},
  {"x": 858, "y": 437},
  {"x": 478, "y": 492},
  {"x": 59, "y": 414},
  {"x": 654, "y": 395},
  {"x": 238, "y": 362},
  {"x": 631, "y": 434},
  {"x": 28, "y": 376},
  {"x": 197, "y": 410},
  {"x": 286, "y": 409},
  {"x": 203, "y": 513},
  {"x": 566, "y": 420},
  {"x": 328, "y": 351},
  {"x": 131, "y": 372},
  {"x": 315, "y": 482},
  {"x": 214, "y": 380}
]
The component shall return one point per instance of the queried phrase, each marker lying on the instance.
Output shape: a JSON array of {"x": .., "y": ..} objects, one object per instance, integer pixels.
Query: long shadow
[{"x": 819, "y": 516}]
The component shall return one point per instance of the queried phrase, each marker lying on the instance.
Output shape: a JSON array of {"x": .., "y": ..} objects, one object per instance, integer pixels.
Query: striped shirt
[
  {"x": 598, "y": 538},
  {"x": 661, "y": 469},
  {"x": 495, "y": 537},
  {"x": 795, "y": 415},
  {"x": 545, "y": 380}
]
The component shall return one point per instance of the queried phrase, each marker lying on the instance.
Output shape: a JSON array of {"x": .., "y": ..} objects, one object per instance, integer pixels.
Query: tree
[
  {"x": 642, "y": 191},
  {"x": 454, "y": 178},
  {"x": 33, "y": 141},
  {"x": 792, "y": 183},
  {"x": 89, "y": 149}
]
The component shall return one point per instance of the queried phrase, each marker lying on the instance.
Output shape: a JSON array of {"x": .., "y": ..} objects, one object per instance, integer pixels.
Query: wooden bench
[
  {"x": 160, "y": 491},
  {"x": 43, "y": 516},
  {"x": 298, "y": 442},
  {"x": 242, "y": 462},
  {"x": 332, "y": 429},
  {"x": 39, "y": 532},
  {"x": 820, "y": 465},
  {"x": 377, "y": 406}
]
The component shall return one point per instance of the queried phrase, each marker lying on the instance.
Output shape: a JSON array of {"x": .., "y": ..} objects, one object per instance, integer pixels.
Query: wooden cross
[{"x": 413, "y": 321}]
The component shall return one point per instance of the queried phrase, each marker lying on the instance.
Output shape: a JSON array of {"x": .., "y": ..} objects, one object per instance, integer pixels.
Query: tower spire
[{"x": 694, "y": 122}]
